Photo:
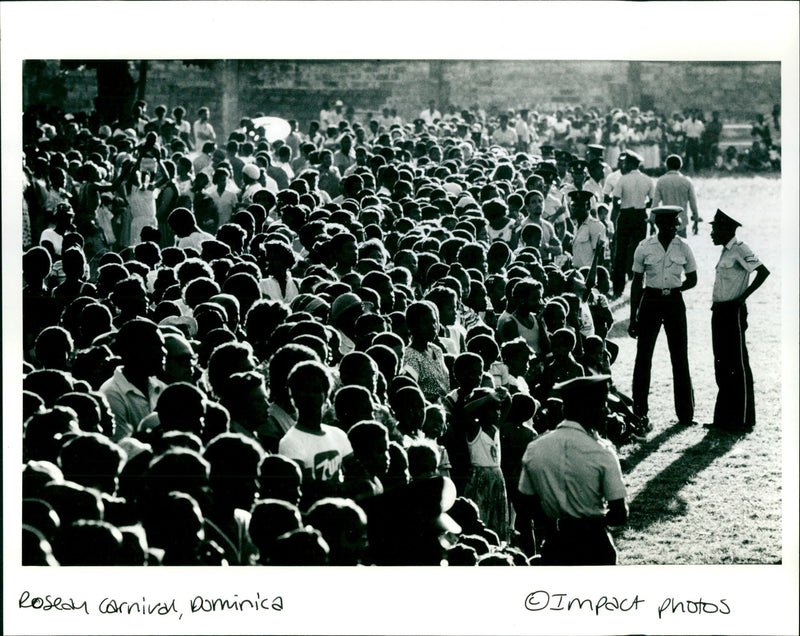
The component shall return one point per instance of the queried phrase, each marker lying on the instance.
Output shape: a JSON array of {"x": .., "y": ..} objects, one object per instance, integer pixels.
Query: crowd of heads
[{"x": 389, "y": 283}]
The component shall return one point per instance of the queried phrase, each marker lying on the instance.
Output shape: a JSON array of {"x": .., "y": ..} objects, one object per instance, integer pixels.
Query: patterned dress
[
  {"x": 486, "y": 485},
  {"x": 429, "y": 370}
]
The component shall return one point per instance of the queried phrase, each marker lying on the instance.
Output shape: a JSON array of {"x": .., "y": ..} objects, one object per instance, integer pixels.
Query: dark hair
[
  {"x": 91, "y": 460},
  {"x": 269, "y": 519},
  {"x": 674, "y": 162},
  {"x": 282, "y": 362}
]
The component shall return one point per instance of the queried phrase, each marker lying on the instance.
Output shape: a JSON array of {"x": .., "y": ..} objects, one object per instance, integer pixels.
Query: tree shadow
[
  {"x": 659, "y": 499},
  {"x": 647, "y": 447}
]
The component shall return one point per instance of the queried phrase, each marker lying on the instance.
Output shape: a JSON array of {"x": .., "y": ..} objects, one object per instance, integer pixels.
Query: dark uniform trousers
[
  {"x": 655, "y": 310},
  {"x": 630, "y": 231},
  {"x": 578, "y": 542},
  {"x": 735, "y": 407},
  {"x": 693, "y": 153}
]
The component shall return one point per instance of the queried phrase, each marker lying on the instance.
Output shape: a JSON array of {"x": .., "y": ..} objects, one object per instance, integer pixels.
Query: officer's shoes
[
  {"x": 687, "y": 422},
  {"x": 731, "y": 431}
]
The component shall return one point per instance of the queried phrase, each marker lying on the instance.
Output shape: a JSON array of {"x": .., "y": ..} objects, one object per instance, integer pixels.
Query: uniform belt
[
  {"x": 655, "y": 291},
  {"x": 626, "y": 210},
  {"x": 572, "y": 524},
  {"x": 726, "y": 304}
]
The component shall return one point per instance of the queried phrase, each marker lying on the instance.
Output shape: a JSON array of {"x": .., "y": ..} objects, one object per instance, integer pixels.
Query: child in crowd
[{"x": 484, "y": 412}]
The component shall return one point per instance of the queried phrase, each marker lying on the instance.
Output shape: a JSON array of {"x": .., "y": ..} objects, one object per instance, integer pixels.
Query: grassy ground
[{"x": 698, "y": 497}]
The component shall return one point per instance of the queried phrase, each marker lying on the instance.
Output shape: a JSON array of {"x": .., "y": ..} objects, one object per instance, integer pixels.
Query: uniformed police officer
[
  {"x": 632, "y": 195},
  {"x": 589, "y": 232},
  {"x": 571, "y": 482},
  {"x": 663, "y": 268},
  {"x": 579, "y": 175},
  {"x": 735, "y": 407},
  {"x": 555, "y": 210}
]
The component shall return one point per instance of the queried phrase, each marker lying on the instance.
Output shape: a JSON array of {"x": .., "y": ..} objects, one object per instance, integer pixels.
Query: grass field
[{"x": 698, "y": 497}]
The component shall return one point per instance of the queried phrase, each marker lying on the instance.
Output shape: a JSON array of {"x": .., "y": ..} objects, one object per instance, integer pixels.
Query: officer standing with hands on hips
[
  {"x": 571, "y": 483},
  {"x": 735, "y": 408},
  {"x": 659, "y": 265}
]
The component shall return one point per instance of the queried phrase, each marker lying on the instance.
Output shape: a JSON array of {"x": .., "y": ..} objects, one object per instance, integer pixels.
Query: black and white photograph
[{"x": 228, "y": 268}]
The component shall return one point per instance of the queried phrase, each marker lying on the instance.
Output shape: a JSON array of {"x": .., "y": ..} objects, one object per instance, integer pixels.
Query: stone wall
[
  {"x": 738, "y": 89},
  {"x": 292, "y": 88}
]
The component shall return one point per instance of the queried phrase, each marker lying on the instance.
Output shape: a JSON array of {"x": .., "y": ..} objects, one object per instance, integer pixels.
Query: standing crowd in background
[{"x": 337, "y": 347}]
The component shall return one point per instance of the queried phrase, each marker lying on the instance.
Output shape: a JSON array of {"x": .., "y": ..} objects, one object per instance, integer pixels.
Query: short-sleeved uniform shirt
[
  {"x": 596, "y": 189},
  {"x": 553, "y": 202},
  {"x": 663, "y": 269},
  {"x": 586, "y": 238},
  {"x": 633, "y": 190},
  {"x": 320, "y": 455},
  {"x": 572, "y": 472},
  {"x": 611, "y": 182},
  {"x": 735, "y": 265}
]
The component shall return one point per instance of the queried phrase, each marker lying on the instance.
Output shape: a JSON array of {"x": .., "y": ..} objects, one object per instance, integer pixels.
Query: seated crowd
[{"x": 278, "y": 353}]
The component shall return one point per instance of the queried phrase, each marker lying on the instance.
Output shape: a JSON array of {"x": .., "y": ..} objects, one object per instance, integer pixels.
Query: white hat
[{"x": 251, "y": 170}]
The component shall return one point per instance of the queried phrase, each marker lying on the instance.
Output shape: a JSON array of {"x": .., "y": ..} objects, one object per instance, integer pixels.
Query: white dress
[{"x": 143, "y": 212}]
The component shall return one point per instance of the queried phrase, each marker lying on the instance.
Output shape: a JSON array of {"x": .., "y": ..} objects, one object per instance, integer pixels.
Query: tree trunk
[
  {"x": 116, "y": 90},
  {"x": 142, "y": 84}
]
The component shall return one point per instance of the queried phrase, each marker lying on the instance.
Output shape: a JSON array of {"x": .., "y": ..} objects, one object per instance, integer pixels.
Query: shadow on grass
[
  {"x": 620, "y": 328},
  {"x": 646, "y": 448},
  {"x": 659, "y": 498}
]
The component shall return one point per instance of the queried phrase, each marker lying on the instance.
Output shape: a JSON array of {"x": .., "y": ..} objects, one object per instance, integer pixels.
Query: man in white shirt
[
  {"x": 523, "y": 131},
  {"x": 187, "y": 234},
  {"x": 589, "y": 232},
  {"x": 319, "y": 449},
  {"x": 133, "y": 390},
  {"x": 386, "y": 120},
  {"x": 203, "y": 130},
  {"x": 504, "y": 136},
  {"x": 596, "y": 181},
  {"x": 337, "y": 114},
  {"x": 674, "y": 188},
  {"x": 561, "y": 129},
  {"x": 693, "y": 128},
  {"x": 550, "y": 246},
  {"x": 225, "y": 199},
  {"x": 53, "y": 237},
  {"x": 632, "y": 195},
  {"x": 735, "y": 406},
  {"x": 571, "y": 481},
  {"x": 663, "y": 268},
  {"x": 430, "y": 114}
]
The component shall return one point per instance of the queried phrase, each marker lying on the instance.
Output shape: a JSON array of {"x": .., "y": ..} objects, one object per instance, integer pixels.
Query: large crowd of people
[{"x": 330, "y": 348}]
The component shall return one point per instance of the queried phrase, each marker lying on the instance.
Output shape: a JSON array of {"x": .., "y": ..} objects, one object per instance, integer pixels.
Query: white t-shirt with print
[{"x": 320, "y": 454}]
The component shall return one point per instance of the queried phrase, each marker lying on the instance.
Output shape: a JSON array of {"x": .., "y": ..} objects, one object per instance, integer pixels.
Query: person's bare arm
[
  {"x": 693, "y": 207},
  {"x": 636, "y": 297},
  {"x": 617, "y": 514},
  {"x": 508, "y": 331},
  {"x": 689, "y": 282},
  {"x": 761, "y": 275},
  {"x": 529, "y": 514}
]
